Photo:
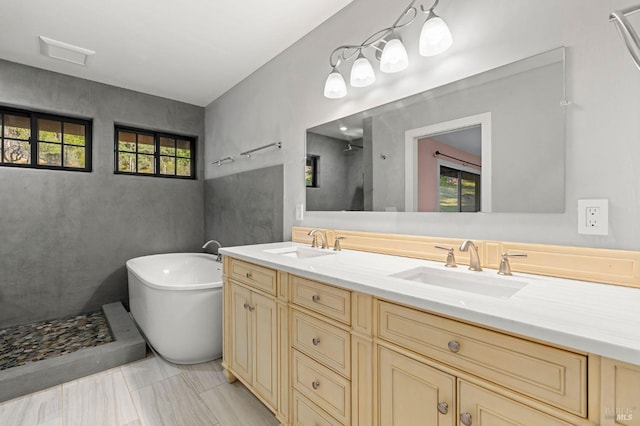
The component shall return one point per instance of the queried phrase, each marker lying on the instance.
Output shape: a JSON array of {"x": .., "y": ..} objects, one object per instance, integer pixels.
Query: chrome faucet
[
  {"x": 219, "y": 256},
  {"x": 474, "y": 259},
  {"x": 314, "y": 233}
]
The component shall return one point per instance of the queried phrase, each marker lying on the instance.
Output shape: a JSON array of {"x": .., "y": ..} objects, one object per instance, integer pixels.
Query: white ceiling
[{"x": 192, "y": 51}]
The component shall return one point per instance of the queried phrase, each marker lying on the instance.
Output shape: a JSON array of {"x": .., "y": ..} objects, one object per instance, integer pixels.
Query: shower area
[{"x": 42, "y": 354}]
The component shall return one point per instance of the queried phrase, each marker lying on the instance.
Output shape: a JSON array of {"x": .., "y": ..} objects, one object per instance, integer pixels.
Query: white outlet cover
[{"x": 603, "y": 220}]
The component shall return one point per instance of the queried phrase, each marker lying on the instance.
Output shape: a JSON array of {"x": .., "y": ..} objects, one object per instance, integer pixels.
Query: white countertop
[{"x": 595, "y": 318}]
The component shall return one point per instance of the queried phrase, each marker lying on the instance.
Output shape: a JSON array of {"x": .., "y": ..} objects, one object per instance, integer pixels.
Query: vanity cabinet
[
  {"x": 320, "y": 317},
  {"x": 251, "y": 329},
  {"x": 413, "y": 393},
  {"x": 319, "y": 354}
]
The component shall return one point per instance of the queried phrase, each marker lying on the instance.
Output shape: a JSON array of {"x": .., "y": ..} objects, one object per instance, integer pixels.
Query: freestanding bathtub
[{"x": 176, "y": 300}]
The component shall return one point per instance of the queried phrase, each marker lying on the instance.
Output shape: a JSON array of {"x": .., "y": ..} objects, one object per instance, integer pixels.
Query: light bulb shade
[
  {"x": 435, "y": 37},
  {"x": 394, "y": 57},
  {"x": 362, "y": 74},
  {"x": 335, "y": 87}
]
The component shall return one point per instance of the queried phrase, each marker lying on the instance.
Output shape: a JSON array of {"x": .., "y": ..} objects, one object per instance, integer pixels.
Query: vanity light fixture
[{"x": 386, "y": 47}]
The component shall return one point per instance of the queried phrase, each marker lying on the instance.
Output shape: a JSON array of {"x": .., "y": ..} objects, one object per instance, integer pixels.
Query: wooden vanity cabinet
[
  {"x": 318, "y": 354},
  {"x": 251, "y": 329}
]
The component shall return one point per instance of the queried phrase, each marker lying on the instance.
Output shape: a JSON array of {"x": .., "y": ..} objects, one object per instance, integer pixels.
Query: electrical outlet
[{"x": 593, "y": 217}]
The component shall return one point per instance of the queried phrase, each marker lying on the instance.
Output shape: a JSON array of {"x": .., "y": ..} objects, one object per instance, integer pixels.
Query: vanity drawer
[
  {"x": 322, "y": 298},
  {"x": 554, "y": 376},
  {"x": 256, "y": 276},
  {"x": 322, "y": 386},
  {"x": 323, "y": 342},
  {"x": 307, "y": 413}
]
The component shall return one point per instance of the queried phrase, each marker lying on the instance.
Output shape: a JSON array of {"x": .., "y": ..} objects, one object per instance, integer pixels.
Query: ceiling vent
[{"x": 65, "y": 52}]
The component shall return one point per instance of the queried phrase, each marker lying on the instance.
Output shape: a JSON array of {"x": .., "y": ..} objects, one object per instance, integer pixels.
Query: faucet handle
[
  {"x": 451, "y": 260},
  {"x": 505, "y": 267},
  {"x": 336, "y": 245}
]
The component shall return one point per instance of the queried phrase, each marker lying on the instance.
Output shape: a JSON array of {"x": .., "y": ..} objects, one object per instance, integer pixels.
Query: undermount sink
[
  {"x": 480, "y": 283},
  {"x": 301, "y": 252}
]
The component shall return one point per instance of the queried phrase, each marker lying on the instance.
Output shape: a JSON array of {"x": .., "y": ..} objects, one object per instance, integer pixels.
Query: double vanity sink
[{"x": 486, "y": 282}]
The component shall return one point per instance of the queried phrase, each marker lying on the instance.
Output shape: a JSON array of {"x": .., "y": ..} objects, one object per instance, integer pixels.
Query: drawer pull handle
[
  {"x": 315, "y": 298},
  {"x": 465, "y": 418},
  {"x": 248, "y": 274},
  {"x": 454, "y": 346},
  {"x": 443, "y": 407},
  {"x": 315, "y": 341},
  {"x": 315, "y": 384}
]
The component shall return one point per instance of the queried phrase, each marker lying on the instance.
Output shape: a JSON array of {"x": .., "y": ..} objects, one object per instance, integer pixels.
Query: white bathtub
[{"x": 176, "y": 300}]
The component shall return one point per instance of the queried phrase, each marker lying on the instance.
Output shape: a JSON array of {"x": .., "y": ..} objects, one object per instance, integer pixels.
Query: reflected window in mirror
[
  {"x": 459, "y": 190},
  {"x": 311, "y": 171}
]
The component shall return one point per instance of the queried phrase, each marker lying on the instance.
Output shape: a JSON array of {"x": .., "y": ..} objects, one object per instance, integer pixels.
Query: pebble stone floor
[{"x": 34, "y": 342}]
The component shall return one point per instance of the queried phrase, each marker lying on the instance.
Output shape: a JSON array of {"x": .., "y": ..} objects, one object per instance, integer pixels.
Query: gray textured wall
[
  {"x": 65, "y": 236},
  {"x": 245, "y": 208},
  {"x": 331, "y": 193}
]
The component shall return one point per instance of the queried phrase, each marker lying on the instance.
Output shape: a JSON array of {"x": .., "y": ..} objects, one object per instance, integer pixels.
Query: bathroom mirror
[{"x": 492, "y": 142}]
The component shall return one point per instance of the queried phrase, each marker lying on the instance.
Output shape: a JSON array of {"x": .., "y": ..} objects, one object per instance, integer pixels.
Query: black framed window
[
  {"x": 45, "y": 141},
  {"x": 149, "y": 153}
]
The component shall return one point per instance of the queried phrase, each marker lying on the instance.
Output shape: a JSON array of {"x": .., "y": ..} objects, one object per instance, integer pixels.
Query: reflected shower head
[{"x": 352, "y": 147}]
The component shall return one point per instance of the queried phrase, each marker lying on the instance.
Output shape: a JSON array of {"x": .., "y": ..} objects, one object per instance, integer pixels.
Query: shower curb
[{"x": 128, "y": 346}]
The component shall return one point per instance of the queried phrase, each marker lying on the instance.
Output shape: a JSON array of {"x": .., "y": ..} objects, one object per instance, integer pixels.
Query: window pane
[
  {"x": 126, "y": 141},
  {"x": 167, "y": 146},
  {"x": 167, "y": 165},
  {"x": 448, "y": 190},
  {"x": 74, "y": 134},
  {"x": 146, "y": 144},
  {"x": 184, "y": 167},
  {"x": 146, "y": 164},
  {"x": 50, "y": 154},
  {"x": 74, "y": 156},
  {"x": 126, "y": 162},
  {"x": 17, "y": 127},
  {"x": 184, "y": 149},
  {"x": 49, "y": 130},
  {"x": 470, "y": 200},
  {"x": 16, "y": 152}
]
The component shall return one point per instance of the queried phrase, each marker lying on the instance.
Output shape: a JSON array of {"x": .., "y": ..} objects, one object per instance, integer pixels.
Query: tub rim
[{"x": 212, "y": 285}]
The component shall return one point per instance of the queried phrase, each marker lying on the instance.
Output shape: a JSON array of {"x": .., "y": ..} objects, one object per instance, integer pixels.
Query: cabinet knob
[
  {"x": 315, "y": 341},
  {"x": 465, "y": 418},
  {"x": 251, "y": 308},
  {"x": 315, "y": 298},
  {"x": 443, "y": 407},
  {"x": 315, "y": 384},
  {"x": 454, "y": 346},
  {"x": 248, "y": 274},
  {"x": 246, "y": 306}
]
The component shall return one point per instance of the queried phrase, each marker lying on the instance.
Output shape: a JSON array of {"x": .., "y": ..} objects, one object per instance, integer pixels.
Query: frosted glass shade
[
  {"x": 335, "y": 87},
  {"x": 435, "y": 37},
  {"x": 362, "y": 74},
  {"x": 394, "y": 57}
]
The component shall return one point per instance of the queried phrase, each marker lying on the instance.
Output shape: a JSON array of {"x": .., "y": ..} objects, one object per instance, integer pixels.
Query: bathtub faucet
[{"x": 204, "y": 247}]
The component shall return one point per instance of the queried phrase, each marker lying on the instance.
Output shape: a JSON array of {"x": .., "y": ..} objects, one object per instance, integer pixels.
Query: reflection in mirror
[{"x": 493, "y": 142}]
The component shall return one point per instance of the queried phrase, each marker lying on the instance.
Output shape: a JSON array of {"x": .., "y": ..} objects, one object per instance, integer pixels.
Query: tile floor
[{"x": 150, "y": 392}]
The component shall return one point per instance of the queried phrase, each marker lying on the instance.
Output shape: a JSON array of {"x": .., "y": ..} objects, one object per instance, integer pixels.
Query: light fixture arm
[{"x": 349, "y": 51}]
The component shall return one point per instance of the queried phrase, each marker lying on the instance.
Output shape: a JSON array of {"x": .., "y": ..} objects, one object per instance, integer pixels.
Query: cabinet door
[
  {"x": 241, "y": 338},
  {"x": 620, "y": 393},
  {"x": 412, "y": 393},
  {"x": 265, "y": 353},
  {"x": 480, "y": 407}
]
